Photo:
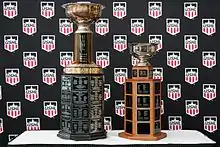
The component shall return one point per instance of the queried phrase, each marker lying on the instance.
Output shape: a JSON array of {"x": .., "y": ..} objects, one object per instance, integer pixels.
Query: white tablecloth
[{"x": 50, "y": 137}]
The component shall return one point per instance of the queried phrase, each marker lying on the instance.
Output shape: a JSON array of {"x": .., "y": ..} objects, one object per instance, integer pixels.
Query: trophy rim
[{"x": 82, "y": 3}]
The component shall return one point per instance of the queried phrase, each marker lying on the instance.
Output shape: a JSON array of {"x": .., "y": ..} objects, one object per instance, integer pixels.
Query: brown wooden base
[{"x": 156, "y": 137}]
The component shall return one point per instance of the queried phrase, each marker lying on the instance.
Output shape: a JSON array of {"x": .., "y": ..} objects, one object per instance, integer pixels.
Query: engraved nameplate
[
  {"x": 80, "y": 112},
  {"x": 96, "y": 83},
  {"x": 96, "y": 125},
  {"x": 80, "y": 83},
  {"x": 80, "y": 97},
  {"x": 96, "y": 112},
  {"x": 128, "y": 101},
  {"x": 134, "y": 73},
  {"x": 66, "y": 83},
  {"x": 143, "y": 115},
  {"x": 157, "y": 88},
  {"x": 157, "y": 114},
  {"x": 143, "y": 88},
  {"x": 128, "y": 114},
  {"x": 80, "y": 127},
  {"x": 143, "y": 101},
  {"x": 128, "y": 87},
  {"x": 143, "y": 73},
  {"x": 157, "y": 101}
]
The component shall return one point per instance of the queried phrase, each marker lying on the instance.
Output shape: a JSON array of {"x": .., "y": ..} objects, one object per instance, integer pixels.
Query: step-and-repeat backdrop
[{"x": 36, "y": 42}]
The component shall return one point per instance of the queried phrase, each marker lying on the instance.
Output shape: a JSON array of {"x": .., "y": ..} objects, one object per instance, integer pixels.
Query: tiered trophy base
[
  {"x": 83, "y": 137},
  {"x": 155, "y": 137}
]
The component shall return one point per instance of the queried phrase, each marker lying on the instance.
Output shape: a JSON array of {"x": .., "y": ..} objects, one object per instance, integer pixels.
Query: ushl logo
[
  {"x": 12, "y": 137},
  {"x": 155, "y": 9},
  {"x": 102, "y": 26},
  {"x": 192, "y": 107},
  {"x": 190, "y": 10},
  {"x": 48, "y": 42},
  {"x": 158, "y": 73},
  {"x": 50, "y": 108},
  {"x": 119, "y": 9},
  {"x": 208, "y": 26},
  {"x": 173, "y": 59},
  {"x": 65, "y": 26},
  {"x": 11, "y": 43},
  {"x": 10, "y": 9},
  {"x": 47, "y": 9},
  {"x": 108, "y": 123},
  {"x": 29, "y": 25},
  {"x": 175, "y": 123},
  {"x": 120, "y": 108},
  {"x": 13, "y": 109},
  {"x": 30, "y": 59},
  {"x": 191, "y": 42},
  {"x": 107, "y": 91},
  {"x": 1, "y": 126},
  {"x": 102, "y": 59},
  {"x": 66, "y": 58},
  {"x": 49, "y": 75},
  {"x": 156, "y": 39},
  {"x": 134, "y": 61},
  {"x": 137, "y": 26},
  {"x": 0, "y": 92},
  {"x": 12, "y": 76},
  {"x": 210, "y": 123},
  {"x": 173, "y": 26},
  {"x": 209, "y": 91},
  {"x": 162, "y": 107},
  {"x": 191, "y": 75},
  {"x": 31, "y": 92},
  {"x": 120, "y": 75},
  {"x": 120, "y": 42},
  {"x": 209, "y": 59},
  {"x": 174, "y": 91},
  {"x": 32, "y": 124}
]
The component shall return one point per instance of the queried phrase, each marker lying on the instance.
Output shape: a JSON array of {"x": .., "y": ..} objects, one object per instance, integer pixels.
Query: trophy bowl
[
  {"x": 143, "y": 52},
  {"x": 83, "y": 11}
]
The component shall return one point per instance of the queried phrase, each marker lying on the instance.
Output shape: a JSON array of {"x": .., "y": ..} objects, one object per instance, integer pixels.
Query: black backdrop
[{"x": 135, "y": 9}]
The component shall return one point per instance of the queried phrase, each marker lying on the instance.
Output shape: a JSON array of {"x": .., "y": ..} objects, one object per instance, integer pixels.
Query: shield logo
[
  {"x": 210, "y": 123},
  {"x": 50, "y": 108},
  {"x": 191, "y": 75},
  {"x": 108, "y": 123},
  {"x": 49, "y": 75},
  {"x": 119, "y": 9},
  {"x": 1, "y": 126},
  {"x": 66, "y": 58},
  {"x": 120, "y": 108},
  {"x": 209, "y": 59},
  {"x": 30, "y": 59},
  {"x": 120, "y": 42},
  {"x": 155, "y": 9},
  {"x": 156, "y": 39},
  {"x": 12, "y": 76},
  {"x": 47, "y": 9},
  {"x": 10, "y": 9},
  {"x": 107, "y": 91},
  {"x": 209, "y": 91},
  {"x": 29, "y": 25},
  {"x": 173, "y": 26},
  {"x": 158, "y": 73},
  {"x": 32, "y": 124},
  {"x": 65, "y": 26},
  {"x": 31, "y": 92},
  {"x": 102, "y": 26},
  {"x": 191, "y": 42},
  {"x": 120, "y": 75},
  {"x": 192, "y": 107},
  {"x": 0, "y": 92},
  {"x": 48, "y": 42},
  {"x": 208, "y": 26},
  {"x": 162, "y": 107},
  {"x": 13, "y": 109},
  {"x": 137, "y": 26},
  {"x": 174, "y": 91},
  {"x": 175, "y": 123},
  {"x": 134, "y": 61},
  {"x": 12, "y": 137},
  {"x": 190, "y": 10},
  {"x": 11, "y": 43},
  {"x": 173, "y": 59},
  {"x": 102, "y": 59}
]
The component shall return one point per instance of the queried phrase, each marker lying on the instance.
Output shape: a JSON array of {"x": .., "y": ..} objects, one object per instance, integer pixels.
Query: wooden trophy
[{"x": 142, "y": 95}]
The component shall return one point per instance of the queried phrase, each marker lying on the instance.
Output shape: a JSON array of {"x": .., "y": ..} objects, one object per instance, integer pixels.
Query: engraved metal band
[{"x": 85, "y": 70}]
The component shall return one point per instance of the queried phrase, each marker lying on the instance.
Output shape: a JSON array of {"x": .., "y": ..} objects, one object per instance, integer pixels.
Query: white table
[{"x": 50, "y": 137}]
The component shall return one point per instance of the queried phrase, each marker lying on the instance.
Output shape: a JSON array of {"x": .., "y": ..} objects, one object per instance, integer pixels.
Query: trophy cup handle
[{"x": 131, "y": 51}]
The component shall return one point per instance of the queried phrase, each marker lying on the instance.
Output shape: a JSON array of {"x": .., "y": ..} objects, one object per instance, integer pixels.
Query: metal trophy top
[{"x": 143, "y": 52}]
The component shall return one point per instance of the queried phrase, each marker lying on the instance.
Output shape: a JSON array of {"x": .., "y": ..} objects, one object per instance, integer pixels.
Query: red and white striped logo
[
  {"x": 120, "y": 42},
  {"x": 66, "y": 58},
  {"x": 175, "y": 123},
  {"x": 49, "y": 75},
  {"x": 210, "y": 123},
  {"x": 155, "y": 9},
  {"x": 120, "y": 108},
  {"x": 209, "y": 59},
  {"x": 174, "y": 91},
  {"x": 1, "y": 126},
  {"x": 48, "y": 42},
  {"x": 190, "y": 10},
  {"x": 173, "y": 59},
  {"x": 191, "y": 75},
  {"x": 119, "y": 9},
  {"x": 107, "y": 91},
  {"x": 13, "y": 109},
  {"x": 191, "y": 42},
  {"x": 0, "y": 92},
  {"x": 29, "y": 25},
  {"x": 120, "y": 75},
  {"x": 12, "y": 76},
  {"x": 173, "y": 26},
  {"x": 102, "y": 58},
  {"x": 209, "y": 26},
  {"x": 47, "y": 9},
  {"x": 209, "y": 91},
  {"x": 137, "y": 26},
  {"x": 50, "y": 108},
  {"x": 108, "y": 123},
  {"x": 65, "y": 26},
  {"x": 31, "y": 92},
  {"x": 158, "y": 73},
  {"x": 156, "y": 39},
  {"x": 192, "y": 107},
  {"x": 11, "y": 43},
  {"x": 30, "y": 59},
  {"x": 102, "y": 26},
  {"x": 33, "y": 124},
  {"x": 10, "y": 9}
]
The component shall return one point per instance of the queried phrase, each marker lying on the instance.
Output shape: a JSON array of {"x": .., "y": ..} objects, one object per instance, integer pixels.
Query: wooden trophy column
[{"x": 142, "y": 95}]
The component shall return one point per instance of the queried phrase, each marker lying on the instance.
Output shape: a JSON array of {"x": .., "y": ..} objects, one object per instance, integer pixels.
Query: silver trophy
[{"x": 143, "y": 52}]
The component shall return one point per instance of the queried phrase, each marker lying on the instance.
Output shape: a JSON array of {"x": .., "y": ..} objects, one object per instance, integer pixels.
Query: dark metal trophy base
[{"x": 156, "y": 137}]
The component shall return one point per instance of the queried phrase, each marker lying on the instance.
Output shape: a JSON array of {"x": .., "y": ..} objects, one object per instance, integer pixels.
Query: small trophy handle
[{"x": 131, "y": 47}]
